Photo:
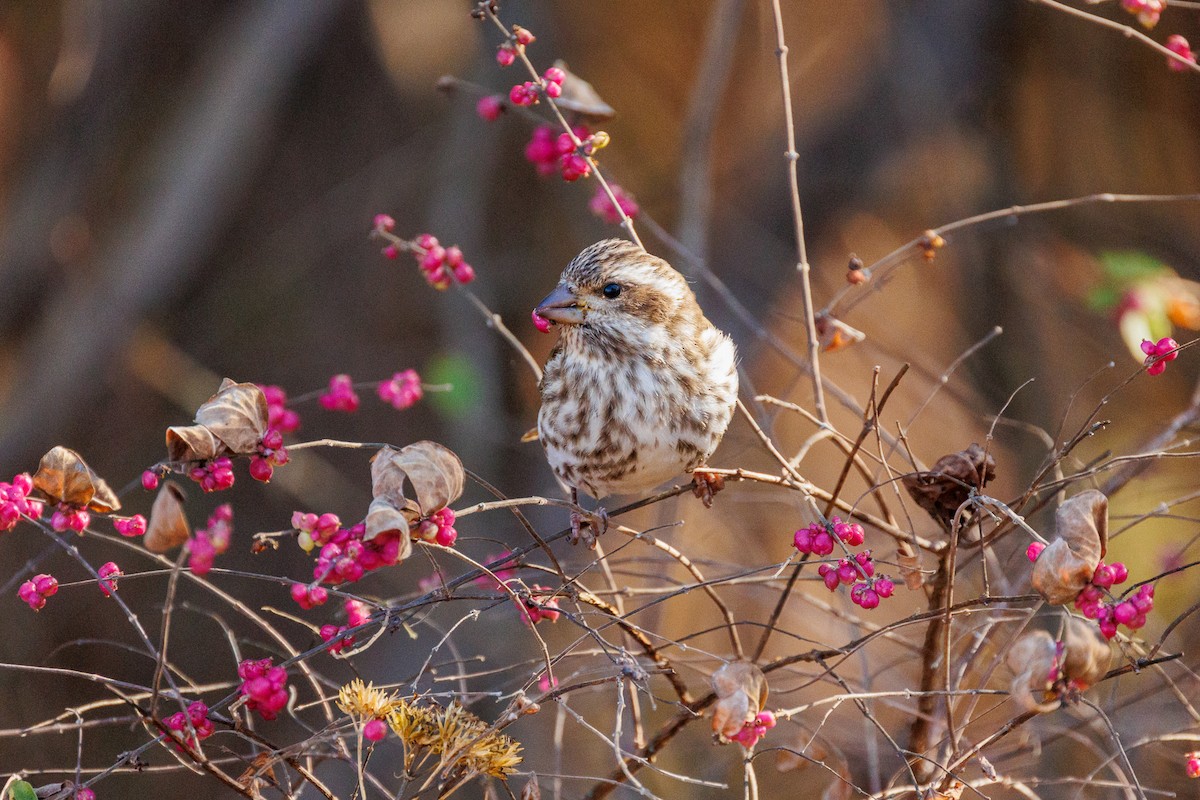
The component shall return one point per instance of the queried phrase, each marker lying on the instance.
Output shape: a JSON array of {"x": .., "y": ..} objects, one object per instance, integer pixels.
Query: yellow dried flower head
[
  {"x": 463, "y": 740},
  {"x": 365, "y": 701}
]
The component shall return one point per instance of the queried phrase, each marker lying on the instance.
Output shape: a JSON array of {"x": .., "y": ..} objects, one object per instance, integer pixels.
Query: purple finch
[{"x": 640, "y": 386}]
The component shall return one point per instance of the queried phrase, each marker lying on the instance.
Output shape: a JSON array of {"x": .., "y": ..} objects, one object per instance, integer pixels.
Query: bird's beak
[{"x": 562, "y": 306}]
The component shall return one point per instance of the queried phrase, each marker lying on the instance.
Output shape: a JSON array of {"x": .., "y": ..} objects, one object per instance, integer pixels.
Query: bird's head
[{"x": 614, "y": 288}]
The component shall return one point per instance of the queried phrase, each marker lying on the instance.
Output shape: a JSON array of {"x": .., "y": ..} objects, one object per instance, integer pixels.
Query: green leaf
[
  {"x": 1129, "y": 266},
  {"x": 21, "y": 791}
]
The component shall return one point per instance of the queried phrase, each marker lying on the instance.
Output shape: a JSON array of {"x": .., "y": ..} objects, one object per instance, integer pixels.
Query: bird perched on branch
[{"x": 640, "y": 386}]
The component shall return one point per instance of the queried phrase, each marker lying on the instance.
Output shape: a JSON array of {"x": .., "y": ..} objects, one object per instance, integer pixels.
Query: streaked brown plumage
[{"x": 640, "y": 386}]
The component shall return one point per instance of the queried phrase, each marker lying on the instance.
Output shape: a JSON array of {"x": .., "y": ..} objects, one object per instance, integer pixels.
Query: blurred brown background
[{"x": 186, "y": 191}]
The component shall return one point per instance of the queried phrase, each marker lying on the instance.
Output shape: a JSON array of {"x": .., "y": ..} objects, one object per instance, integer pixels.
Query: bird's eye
[{"x": 612, "y": 290}]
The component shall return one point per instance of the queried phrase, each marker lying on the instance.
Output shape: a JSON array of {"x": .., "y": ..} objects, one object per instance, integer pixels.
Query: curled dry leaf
[
  {"x": 434, "y": 472},
  {"x": 231, "y": 421},
  {"x": 741, "y": 690},
  {"x": 168, "y": 526},
  {"x": 581, "y": 97},
  {"x": 1042, "y": 668},
  {"x": 941, "y": 490},
  {"x": 64, "y": 477},
  {"x": 382, "y": 517},
  {"x": 1066, "y": 566}
]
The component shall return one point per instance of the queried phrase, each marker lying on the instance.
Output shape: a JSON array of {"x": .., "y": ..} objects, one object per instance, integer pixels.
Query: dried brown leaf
[
  {"x": 910, "y": 570},
  {"x": 531, "y": 790},
  {"x": 434, "y": 471},
  {"x": 1086, "y": 653},
  {"x": 834, "y": 334},
  {"x": 1040, "y": 670},
  {"x": 1066, "y": 566},
  {"x": 741, "y": 690},
  {"x": 581, "y": 97},
  {"x": 193, "y": 443},
  {"x": 382, "y": 517},
  {"x": 168, "y": 526},
  {"x": 236, "y": 415},
  {"x": 64, "y": 477},
  {"x": 1031, "y": 660},
  {"x": 941, "y": 490}
]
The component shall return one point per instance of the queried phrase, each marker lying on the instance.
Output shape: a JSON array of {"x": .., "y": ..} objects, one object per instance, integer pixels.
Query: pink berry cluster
[
  {"x": 69, "y": 517},
  {"x": 529, "y": 92},
  {"x": 1180, "y": 47},
  {"x": 1159, "y": 353},
  {"x": 341, "y": 395},
  {"x": 131, "y": 526},
  {"x": 754, "y": 730},
  {"x": 403, "y": 390},
  {"x": 264, "y": 686},
  {"x": 35, "y": 590},
  {"x": 307, "y": 596},
  {"x": 603, "y": 207},
  {"x": 1193, "y": 764},
  {"x": 506, "y": 54},
  {"x": 108, "y": 574},
  {"x": 356, "y": 614},
  {"x": 441, "y": 264},
  {"x": 856, "y": 571},
  {"x": 214, "y": 475},
  {"x": 438, "y": 527},
  {"x": 344, "y": 557},
  {"x": 279, "y": 416},
  {"x": 538, "y": 604},
  {"x": 553, "y": 152},
  {"x": 208, "y": 543},
  {"x": 271, "y": 454},
  {"x": 197, "y": 715},
  {"x": 819, "y": 539},
  {"x": 1109, "y": 613},
  {"x": 15, "y": 502},
  {"x": 1146, "y": 11}
]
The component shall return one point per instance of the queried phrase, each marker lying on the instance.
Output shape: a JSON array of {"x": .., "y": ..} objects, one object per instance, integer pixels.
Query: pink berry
[
  {"x": 85, "y": 794},
  {"x": 261, "y": 469},
  {"x": 375, "y": 730},
  {"x": 822, "y": 543},
  {"x": 543, "y": 325},
  {"x": 553, "y": 89},
  {"x": 149, "y": 480},
  {"x": 556, "y": 75},
  {"x": 108, "y": 572},
  {"x": 1103, "y": 576},
  {"x": 1119, "y": 571},
  {"x": 1180, "y": 47},
  {"x": 426, "y": 241},
  {"x": 884, "y": 587},
  {"x": 1034, "y": 550},
  {"x": 523, "y": 35},
  {"x": 391, "y": 251},
  {"x": 384, "y": 223},
  {"x": 505, "y": 55},
  {"x": 1193, "y": 765},
  {"x": 464, "y": 273},
  {"x": 490, "y": 107}
]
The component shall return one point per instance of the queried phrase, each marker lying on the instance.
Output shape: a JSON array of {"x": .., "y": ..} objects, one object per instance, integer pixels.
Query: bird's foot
[
  {"x": 705, "y": 485},
  {"x": 589, "y": 527}
]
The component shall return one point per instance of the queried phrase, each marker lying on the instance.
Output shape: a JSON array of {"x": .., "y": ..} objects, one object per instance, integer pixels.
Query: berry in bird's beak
[
  {"x": 561, "y": 305},
  {"x": 541, "y": 323}
]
